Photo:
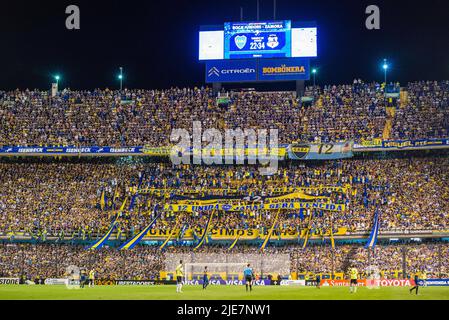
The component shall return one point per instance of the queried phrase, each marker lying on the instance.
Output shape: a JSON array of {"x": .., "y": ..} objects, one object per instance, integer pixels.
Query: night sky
[{"x": 157, "y": 41}]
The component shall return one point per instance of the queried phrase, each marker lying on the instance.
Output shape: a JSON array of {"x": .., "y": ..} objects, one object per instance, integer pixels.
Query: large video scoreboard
[
  {"x": 270, "y": 39},
  {"x": 261, "y": 39},
  {"x": 257, "y": 51}
]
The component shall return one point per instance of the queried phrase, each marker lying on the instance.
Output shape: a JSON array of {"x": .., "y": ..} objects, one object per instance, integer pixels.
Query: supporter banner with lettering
[
  {"x": 240, "y": 234},
  {"x": 294, "y": 151},
  {"x": 288, "y": 205},
  {"x": 241, "y": 153},
  {"x": 161, "y": 151},
  {"x": 403, "y": 144},
  {"x": 323, "y": 151}
]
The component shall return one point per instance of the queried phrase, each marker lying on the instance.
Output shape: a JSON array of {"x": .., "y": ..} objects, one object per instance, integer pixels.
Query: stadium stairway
[
  {"x": 387, "y": 129},
  {"x": 391, "y": 112},
  {"x": 403, "y": 95},
  {"x": 348, "y": 262}
]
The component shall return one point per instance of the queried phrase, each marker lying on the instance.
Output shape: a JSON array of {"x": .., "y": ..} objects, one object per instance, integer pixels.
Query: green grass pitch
[{"x": 168, "y": 292}]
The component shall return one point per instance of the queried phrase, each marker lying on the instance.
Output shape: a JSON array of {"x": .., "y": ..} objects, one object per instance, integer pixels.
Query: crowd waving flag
[
  {"x": 172, "y": 234},
  {"x": 267, "y": 238},
  {"x": 103, "y": 200},
  {"x": 206, "y": 231},
  {"x": 100, "y": 243},
  {"x": 234, "y": 243},
  {"x": 372, "y": 240},
  {"x": 136, "y": 239}
]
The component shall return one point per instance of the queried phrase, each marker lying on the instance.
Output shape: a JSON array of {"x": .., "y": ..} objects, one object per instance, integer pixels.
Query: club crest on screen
[
  {"x": 272, "y": 41},
  {"x": 240, "y": 41}
]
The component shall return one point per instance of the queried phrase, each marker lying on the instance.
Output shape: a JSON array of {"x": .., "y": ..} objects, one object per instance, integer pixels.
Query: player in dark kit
[
  {"x": 318, "y": 281},
  {"x": 83, "y": 278},
  {"x": 205, "y": 278},
  {"x": 416, "y": 287},
  {"x": 249, "y": 276}
]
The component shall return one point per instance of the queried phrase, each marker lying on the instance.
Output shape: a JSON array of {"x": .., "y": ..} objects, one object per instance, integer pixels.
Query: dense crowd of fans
[
  {"x": 147, "y": 117},
  {"x": 64, "y": 199},
  {"x": 145, "y": 262},
  {"x": 427, "y": 113}
]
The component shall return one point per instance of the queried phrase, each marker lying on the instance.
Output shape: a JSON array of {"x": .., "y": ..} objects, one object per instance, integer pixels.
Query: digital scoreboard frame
[
  {"x": 267, "y": 39},
  {"x": 258, "y": 39},
  {"x": 257, "y": 51}
]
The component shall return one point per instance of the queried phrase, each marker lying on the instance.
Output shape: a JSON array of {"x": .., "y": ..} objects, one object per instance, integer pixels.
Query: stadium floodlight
[
  {"x": 57, "y": 77},
  {"x": 314, "y": 74},
  {"x": 385, "y": 67},
  {"x": 120, "y": 77}
]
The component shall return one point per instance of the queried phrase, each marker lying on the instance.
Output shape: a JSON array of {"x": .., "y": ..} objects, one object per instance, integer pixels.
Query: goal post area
[{"x": 215, "y": 270}]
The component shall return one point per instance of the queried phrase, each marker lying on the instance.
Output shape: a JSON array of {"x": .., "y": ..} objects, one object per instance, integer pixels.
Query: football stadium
[{"x": 263, "y": 182}]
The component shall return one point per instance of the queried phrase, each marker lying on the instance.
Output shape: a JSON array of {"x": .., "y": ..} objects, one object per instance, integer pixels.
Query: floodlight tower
[{"x": 385, "y": 67}]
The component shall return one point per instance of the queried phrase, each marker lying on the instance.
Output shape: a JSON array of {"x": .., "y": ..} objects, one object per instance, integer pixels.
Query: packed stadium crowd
[
  {"x": 147, "y": 117},
  {"x": 64, "y": 199},
  {"x": 146, "y": 262},
  {"x": 427, "y": 113},
  {"x": 78, "y": 200}
]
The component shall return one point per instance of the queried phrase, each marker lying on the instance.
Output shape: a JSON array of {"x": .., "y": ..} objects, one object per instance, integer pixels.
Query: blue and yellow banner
[
  {"x": 135, "y": 240},
  {"x": 403, "y": 144},
  {"x": 207, "y": 229},
  {"x": 172, "y": 234},
  {"x": 100, "y": 243},
  {"x": 372, "y": 240},
  {"x": 322, "y": 151},
  {"x": 267, "y": 238},
  {"x": 234, "y": 243}
]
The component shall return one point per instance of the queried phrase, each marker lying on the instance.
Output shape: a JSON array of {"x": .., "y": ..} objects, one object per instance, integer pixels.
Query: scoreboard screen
[
  {"x": 266, "y": 39},
  {"x": 262, "y": 39}
]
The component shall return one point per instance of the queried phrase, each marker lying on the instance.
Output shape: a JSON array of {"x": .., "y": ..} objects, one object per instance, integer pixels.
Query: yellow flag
[
  {"x": 102, "y": 200},
  {"x": 123, "y": 205}
]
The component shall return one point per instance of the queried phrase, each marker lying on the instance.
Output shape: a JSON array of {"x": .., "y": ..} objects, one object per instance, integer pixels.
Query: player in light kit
[
  {"x": 205, "y": 278},
  {"x": 249, "y": 276},
  {"x": 353, "y": 282},
  {"x": 179, "y": 275}
]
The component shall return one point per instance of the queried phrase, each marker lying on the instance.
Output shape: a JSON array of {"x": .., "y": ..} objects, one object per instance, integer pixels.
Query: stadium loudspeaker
[
  {"x": 216, "y": 87},
  {"x": 299, "y": 88}
]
